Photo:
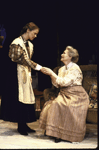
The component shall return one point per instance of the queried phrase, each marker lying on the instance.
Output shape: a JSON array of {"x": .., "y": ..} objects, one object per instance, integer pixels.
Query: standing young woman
[{"x": 18, "y": 105}]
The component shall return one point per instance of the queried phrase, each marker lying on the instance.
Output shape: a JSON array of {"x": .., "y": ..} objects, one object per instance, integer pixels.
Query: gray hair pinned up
[{"x": 73, "y": 53}]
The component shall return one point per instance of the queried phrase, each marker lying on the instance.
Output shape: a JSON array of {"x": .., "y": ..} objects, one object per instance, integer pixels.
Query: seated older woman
[{"x": 65, "y": 116}]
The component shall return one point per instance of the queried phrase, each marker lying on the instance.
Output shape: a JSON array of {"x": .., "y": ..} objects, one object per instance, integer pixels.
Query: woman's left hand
[{"x": 46, "y": 71}]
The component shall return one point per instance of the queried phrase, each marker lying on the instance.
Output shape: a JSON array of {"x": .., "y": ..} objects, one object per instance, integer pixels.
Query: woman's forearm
[{"x": 53, "y": 76}]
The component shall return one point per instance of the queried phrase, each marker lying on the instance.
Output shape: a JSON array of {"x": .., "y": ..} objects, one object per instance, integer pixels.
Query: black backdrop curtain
[{"x": 61, "y": 24}]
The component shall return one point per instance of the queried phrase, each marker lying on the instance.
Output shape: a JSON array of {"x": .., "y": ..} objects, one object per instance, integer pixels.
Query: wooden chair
[{"x": 89, "y": 78}]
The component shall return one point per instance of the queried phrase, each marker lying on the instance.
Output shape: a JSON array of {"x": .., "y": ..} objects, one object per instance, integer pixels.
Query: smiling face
[
  {"x": 32, "y": 34},
  {"x": 65, "y": 56}
]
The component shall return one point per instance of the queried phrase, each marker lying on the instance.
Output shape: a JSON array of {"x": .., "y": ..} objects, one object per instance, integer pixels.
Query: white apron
[{"x": 25, "y": 90}]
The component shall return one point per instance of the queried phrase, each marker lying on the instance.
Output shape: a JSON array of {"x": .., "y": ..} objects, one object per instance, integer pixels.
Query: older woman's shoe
[
  {"x": 57, "y": 140},
  {"x": 45, "y": 133}
]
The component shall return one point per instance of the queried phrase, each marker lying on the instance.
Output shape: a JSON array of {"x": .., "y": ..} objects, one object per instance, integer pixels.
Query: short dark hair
[{"x": 31, "y": 26}]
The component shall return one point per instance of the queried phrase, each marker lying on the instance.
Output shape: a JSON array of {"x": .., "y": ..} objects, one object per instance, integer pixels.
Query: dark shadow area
[{"x": 61, "y": 24}]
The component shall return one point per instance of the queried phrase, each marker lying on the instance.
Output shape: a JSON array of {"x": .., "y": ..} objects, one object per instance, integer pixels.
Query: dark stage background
[{"x": 61, "y": 23}]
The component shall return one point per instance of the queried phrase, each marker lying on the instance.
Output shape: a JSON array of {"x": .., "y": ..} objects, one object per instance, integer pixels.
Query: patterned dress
[
  {"x": 65, "y": 116},
  {"x": 20, "y": 99}
]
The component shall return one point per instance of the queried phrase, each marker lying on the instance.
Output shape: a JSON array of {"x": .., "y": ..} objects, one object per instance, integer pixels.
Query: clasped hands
[
  {"x": 46, "y": 71},
  {"x": 49, "y": 72}
]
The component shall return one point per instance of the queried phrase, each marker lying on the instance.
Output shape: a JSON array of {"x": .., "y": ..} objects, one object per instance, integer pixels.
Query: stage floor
[{"x": 11, "y": 139}]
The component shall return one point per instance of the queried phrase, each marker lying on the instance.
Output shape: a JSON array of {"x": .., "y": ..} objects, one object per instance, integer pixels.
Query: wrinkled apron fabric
[{"x": 26, "y": 94}]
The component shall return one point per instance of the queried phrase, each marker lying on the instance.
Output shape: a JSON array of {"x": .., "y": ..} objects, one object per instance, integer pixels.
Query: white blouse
[{"x": 70, "y": 76}]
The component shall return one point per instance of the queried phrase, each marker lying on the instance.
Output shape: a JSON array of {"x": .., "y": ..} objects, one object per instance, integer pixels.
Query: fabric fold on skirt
[{"x": 65, "y": 116}]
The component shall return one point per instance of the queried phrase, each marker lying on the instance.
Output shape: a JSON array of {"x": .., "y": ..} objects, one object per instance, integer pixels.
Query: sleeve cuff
[{"x": 38, "y": 67}]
